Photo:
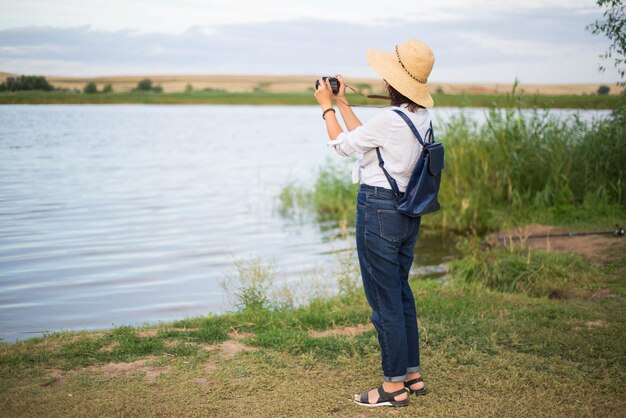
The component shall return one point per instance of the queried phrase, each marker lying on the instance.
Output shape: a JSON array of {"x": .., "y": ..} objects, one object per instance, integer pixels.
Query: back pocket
[{"x": 394, "y": 226}]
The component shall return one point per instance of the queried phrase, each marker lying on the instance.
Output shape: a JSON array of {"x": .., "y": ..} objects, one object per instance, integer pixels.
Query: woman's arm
[
  {"x": 323, "y": 96},
  {"x": 349, "y": 118}
]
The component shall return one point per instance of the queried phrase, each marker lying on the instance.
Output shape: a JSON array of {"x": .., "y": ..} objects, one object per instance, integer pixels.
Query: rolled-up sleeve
[{"x": 373, "y": 133}]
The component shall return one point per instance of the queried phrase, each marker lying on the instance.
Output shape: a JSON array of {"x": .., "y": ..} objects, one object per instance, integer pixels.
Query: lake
[{"x": 126, "y": 214}]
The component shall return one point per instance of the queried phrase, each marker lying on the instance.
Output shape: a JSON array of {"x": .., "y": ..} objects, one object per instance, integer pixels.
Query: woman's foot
[
  {"x": 415, "y": 384},
  {"x": 397, "y": 388}
]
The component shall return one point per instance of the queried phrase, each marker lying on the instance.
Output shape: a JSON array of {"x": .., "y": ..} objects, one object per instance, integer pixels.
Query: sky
[{"x": 534, "y": 41}]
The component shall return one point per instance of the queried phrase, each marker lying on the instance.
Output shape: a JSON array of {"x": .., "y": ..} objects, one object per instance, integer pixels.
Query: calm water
[{"x": 126, "y": 214}]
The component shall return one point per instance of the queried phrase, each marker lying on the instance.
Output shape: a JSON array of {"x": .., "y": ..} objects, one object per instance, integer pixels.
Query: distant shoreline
[
  {"x": 303, "y": 98},
  {"x": 304, "y": 83}
]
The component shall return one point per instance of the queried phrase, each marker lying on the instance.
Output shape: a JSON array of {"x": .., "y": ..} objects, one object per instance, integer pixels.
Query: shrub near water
[
  {"x": 518, "y": 167},
  {"x": 518, "y": 268},
  {"x": 332, "y": 198}
]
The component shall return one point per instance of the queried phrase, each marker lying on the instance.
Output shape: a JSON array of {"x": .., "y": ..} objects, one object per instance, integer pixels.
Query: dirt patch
[
  {"x": 128, "y": 369},
  {"x": 201, "y": 381},
  {"x": 598, "y": 323},
  {"x": 239, "y": 335},
  {"x": 230, "y": 349},
  {"x": 111, "y": 370},
  {"x": 597, "y": 248},
  {"x": 170, "y": 343},
  {"x": 351, "y": 331},
  {"x": 110, "y": 347},
  {"x": 601, "y": 293},
  {"x": 147, "y": 333},
  {"x": 209, "y": 367}
]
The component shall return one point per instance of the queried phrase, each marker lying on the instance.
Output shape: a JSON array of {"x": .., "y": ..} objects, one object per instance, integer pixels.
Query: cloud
[{"x": 535, "y": 44}]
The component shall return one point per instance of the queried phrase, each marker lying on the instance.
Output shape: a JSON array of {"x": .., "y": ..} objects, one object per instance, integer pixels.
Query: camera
[{"x": 334, "y": 84}]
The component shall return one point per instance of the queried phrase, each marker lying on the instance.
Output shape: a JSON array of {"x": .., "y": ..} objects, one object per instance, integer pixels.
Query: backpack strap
[
  {"x": 413, "y": 128},
  {"x": 391, "y": 180},
  {"x": 381, "y": 163}
]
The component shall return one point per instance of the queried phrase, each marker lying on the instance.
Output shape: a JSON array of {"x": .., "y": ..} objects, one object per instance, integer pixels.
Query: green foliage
[
  {"x": 251, "y": 284},
  {"x": 90, "y": 88},
  {"x": 613, "y": 26},
  {"x": 188, "y": 88},
  {"x": 25, "y": 82},
  {"x": 334, "y": 194},
  {"x": 332, "y": 198},
  {"x": 516, "y": 167},
  {"x": 519, "y": 167},
  {"x": 519, "y": 268},
  {"x": 108, "y": 88},
  {"x": 144, "y": 85},
  {"x": 603, "y": 90}
]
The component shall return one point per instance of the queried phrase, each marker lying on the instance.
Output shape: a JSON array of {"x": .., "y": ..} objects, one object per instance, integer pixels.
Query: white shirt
[{"x": 398, "y": 146}]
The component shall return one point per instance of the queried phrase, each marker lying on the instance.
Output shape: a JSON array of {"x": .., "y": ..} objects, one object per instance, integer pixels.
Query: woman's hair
[{"x": 398, "y": 98}]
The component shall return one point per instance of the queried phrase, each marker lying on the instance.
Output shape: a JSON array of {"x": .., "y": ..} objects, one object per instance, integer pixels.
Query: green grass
[
  {"x": 262, "y": 98},
  {"x": 518, "y": 268},
  {"x": 485, "y": 352}
]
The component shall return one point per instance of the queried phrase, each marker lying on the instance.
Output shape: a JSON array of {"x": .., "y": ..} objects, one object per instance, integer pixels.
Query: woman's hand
[
  {"x": 342, "y": 87},
  {"x": 323, "y": 94}
]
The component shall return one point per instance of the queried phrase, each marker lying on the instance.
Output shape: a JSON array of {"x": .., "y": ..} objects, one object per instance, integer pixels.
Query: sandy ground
[
  {"x": 598, "y": 248},
  {"x": 303, "y": 83}
]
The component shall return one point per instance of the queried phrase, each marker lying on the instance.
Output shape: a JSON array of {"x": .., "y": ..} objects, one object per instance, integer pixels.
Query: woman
[{"x": 385, "y": 238}]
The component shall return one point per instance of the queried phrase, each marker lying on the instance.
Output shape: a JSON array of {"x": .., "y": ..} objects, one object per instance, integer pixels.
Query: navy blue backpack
[{"x": 420, "y": 197}]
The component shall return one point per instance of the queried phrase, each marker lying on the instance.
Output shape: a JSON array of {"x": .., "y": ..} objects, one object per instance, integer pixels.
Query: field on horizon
[{"x": 304, "y": 83}]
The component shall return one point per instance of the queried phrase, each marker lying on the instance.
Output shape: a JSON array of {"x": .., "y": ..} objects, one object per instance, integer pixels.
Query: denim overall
[{"x": 385, "y": 239}]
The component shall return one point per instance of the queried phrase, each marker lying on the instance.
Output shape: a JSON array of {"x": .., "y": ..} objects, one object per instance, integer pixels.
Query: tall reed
[{"x": 520, "y": 166}]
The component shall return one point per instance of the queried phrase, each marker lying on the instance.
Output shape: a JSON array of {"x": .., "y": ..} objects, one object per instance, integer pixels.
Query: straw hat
[{"x": 406, "y": 69}]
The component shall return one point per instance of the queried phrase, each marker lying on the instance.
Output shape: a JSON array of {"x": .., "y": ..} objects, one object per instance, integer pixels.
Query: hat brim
[{"x": 386, "y": 64}]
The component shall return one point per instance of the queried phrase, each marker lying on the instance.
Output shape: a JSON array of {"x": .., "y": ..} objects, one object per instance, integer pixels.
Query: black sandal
[
  {"x": 384, "y": 398},
  {"x": 422, "y": 391}
]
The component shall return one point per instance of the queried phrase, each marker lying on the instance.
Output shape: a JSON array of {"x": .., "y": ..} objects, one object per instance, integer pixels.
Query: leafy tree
[
  {"x": 188, "y": 88},
  {"x": 90, "y": 88},
  {"x": 26, "y": 82},
  {"x": 144, "y": 85},
  {"x": 603, "y": 90},
  {"x": 108, "y": 88},
  {"x": 613, "y": 26}
]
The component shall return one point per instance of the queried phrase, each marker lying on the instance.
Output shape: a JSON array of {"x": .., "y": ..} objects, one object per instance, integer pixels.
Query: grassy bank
[
  {"x": 487, "y": 350},
  {"x": 216, "y": 97},
  {"x": 513, "y": 169}
]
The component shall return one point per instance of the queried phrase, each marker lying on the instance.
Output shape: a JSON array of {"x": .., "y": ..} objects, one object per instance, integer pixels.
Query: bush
[
  {"x": 603, "y": 90},
  {"x": 188, "y": 88},
  {"x": 108, "y": 88},
  {"x": 521, "y": 269},
  {"x": 26, "y": 82},
  {"x": 90, "y": 88},
  {"x": 144, "y": 85}
]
